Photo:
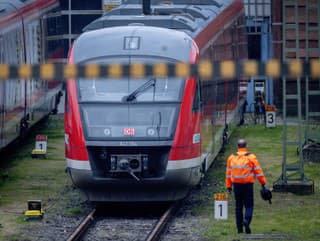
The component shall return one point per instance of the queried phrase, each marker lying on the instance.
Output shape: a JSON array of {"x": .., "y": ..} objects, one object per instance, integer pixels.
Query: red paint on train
[{"x": 75, "y": 144}]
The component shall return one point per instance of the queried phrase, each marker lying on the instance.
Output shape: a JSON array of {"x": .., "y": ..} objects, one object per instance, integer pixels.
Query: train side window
[
  {"x": 196, "y": 106},
  {"x": 66, "y": 103}
]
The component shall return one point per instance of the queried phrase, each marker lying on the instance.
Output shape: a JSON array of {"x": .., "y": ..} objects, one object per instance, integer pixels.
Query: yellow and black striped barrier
[{"x": 204, "y": 69}]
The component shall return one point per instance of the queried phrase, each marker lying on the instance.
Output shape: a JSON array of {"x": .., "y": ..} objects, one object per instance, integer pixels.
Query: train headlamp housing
[
  {"x": 107, "y": 132},
  {"x": 151, "y": 131}
]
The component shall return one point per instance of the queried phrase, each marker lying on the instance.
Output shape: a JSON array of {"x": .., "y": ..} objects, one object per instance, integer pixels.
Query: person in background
[
  {"x": 259, "y": 103},
  {"x": 243, "y": 111},
  {"x": 242, "y": 168}
]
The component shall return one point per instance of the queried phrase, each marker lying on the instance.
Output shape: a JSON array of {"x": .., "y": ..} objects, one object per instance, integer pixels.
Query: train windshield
[
  {"x": 143, "y": 109},
  {"x": 140, "y": 90},
  {"x": 155, "y": 89}
]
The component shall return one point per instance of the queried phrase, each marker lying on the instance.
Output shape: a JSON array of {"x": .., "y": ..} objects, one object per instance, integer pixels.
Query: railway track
[{"x": 98, "y": 226}]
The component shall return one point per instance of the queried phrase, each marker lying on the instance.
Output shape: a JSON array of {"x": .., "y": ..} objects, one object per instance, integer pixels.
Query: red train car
[
  {"x": 152, "y": 139},
  {"x": 24, "y": 102}
]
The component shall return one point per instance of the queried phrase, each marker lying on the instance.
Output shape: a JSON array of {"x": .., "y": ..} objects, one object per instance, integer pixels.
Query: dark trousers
[{"x": 243, "y": 194}]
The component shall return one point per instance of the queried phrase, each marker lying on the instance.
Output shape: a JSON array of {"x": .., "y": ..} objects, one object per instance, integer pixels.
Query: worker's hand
[
  {"x": 229, "y": 190},
  {"x": 264, "y": 186}
]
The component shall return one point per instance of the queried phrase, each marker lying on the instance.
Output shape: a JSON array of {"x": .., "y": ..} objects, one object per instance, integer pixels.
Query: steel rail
[
  {"x": 77, "y": 234},
  {"x": 156, "y": 232}
]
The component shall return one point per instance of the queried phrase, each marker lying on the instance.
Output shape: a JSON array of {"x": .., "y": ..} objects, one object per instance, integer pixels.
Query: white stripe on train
[{"x": 172, "y": 165}]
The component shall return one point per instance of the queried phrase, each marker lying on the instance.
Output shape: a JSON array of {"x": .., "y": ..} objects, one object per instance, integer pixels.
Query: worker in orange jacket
[{"x": 242, "y": 168}]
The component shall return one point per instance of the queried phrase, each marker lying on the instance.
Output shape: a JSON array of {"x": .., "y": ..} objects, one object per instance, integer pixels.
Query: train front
[{"x": 133, "y": 139}]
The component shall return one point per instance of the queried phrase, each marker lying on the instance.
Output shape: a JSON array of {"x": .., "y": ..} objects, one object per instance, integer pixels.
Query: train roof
[
  {"x": 10, "y": 6},
  {"x": 126, "y": 40},
  {"x": 13, "y": 10},
  {"x": 190, "y": 16}
]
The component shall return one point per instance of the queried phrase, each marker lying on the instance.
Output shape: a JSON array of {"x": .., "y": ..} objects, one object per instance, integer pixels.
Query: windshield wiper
[{"x": 147, "y": 85}]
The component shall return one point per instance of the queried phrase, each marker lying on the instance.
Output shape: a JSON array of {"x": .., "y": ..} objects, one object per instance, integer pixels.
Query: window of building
[{"x": 79, "y": 21}]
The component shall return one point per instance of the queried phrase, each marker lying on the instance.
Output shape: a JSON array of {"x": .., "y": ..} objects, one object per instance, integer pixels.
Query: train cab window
[
  {"x": 196, "y": 106},
  {"x": 147, "y": 89},
  {"x": 131, "y": 90}
]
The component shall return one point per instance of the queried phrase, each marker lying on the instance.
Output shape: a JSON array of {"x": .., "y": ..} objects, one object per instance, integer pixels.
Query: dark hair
[{"x": 242, "y": 143}]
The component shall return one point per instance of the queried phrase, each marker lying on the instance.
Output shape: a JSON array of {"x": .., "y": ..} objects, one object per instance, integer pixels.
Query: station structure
[
  {"x": 270, "y": 34},
  {"x": 277, "y": 29}
]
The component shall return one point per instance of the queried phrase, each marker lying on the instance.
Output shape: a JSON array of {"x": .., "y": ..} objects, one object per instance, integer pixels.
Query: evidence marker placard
[
  {"x": 270, "y": 116},
  {"x": 221, "y": 206},
  {"x": 40, "y": 146}
]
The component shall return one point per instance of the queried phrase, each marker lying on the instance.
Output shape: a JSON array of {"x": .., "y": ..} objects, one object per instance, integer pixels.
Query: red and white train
[
  {"x": 152, "y": 139},
  {"x": 23, "y": 102}
]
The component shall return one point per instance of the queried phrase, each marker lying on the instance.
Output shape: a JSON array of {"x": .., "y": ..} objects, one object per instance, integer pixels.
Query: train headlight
[
  {"x": 107, "y": 132},
  {"x": 151, "y": 132}
]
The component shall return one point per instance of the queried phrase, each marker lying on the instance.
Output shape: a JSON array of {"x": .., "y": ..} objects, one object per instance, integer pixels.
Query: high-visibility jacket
[{"x": 243, "y": 167}]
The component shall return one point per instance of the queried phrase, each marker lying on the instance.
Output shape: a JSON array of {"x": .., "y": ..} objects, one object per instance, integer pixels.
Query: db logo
[{"x": 128, "y": 131}]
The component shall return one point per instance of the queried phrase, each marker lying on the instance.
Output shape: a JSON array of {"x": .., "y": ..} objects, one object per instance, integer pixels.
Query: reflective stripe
[
  {"x": 256, "y": 168},
  {"x": 229, "y": 169},
  {"x": 77, "y": 164},
  {"x": 172, "y": 165},
  {"x": 260, "y": 174},
  {"x": 185, "y": 163},
  {"x": 228, "y": 176},
  {"x": 241, "y": 176},
  {"x": 244, "y": 167}
]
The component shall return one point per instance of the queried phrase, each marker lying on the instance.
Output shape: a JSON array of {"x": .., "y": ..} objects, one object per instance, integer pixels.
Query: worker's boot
[{"x": 246, "y": 226}]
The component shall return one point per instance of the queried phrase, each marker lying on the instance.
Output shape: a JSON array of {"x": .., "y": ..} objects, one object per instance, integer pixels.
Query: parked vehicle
[
  {"x": 23, "y": 102},
  {"x": 152, "y": 139}
]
